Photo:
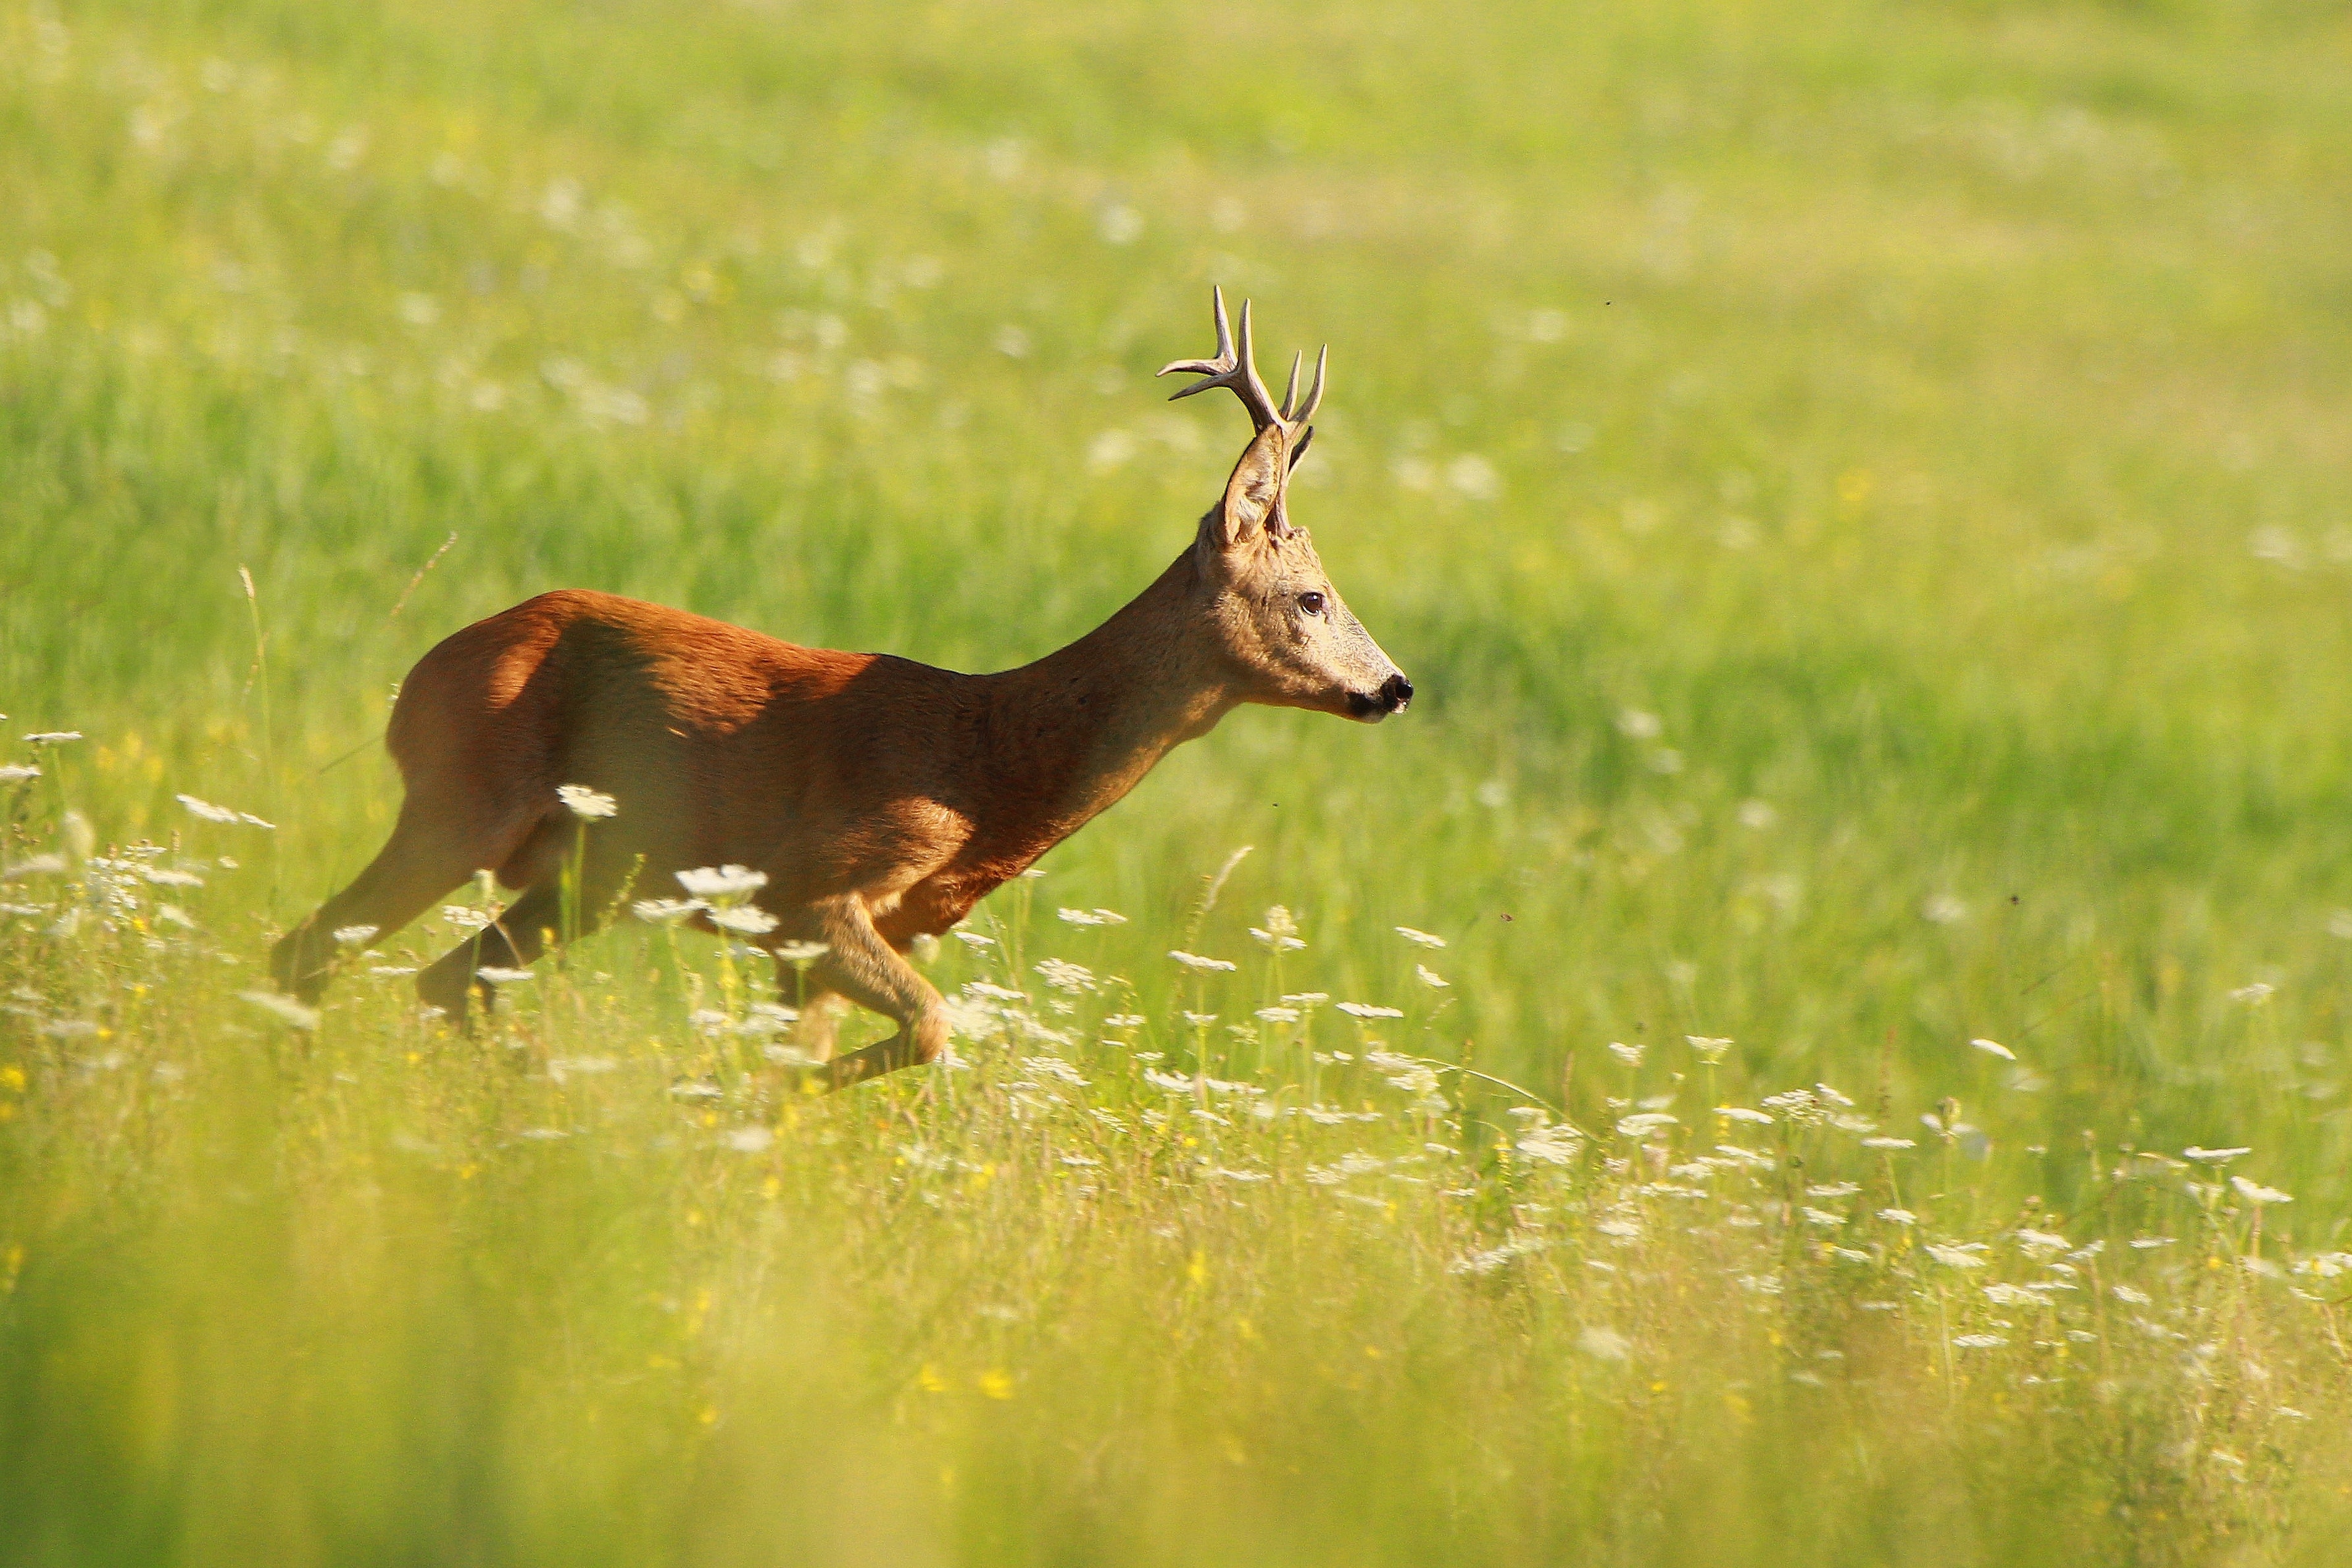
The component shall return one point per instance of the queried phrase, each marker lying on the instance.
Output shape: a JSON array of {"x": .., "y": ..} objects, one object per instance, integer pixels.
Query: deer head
[{"x": 1272, "y": 611}]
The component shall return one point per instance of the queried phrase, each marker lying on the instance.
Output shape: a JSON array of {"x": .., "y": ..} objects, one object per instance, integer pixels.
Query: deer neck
[{"x": 1069, "y": 735}]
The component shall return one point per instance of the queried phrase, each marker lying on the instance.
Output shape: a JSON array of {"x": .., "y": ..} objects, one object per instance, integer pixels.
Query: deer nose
[{"x": 1395, "y": 692}]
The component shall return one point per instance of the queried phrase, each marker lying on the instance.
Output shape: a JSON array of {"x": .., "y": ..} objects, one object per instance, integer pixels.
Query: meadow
[{"x": 1821, "y": 1037}]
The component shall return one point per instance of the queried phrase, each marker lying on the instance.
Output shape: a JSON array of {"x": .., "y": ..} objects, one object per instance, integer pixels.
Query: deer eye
[{"x": 1311, "y": 603}]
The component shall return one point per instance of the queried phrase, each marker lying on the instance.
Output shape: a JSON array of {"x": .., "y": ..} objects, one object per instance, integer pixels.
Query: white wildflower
[
  {"x": 1979, "y": 1341},
  {"x": 1604, "y": 1344},
  {"x": 586, "y": 804},
  {"x": 1367, "y": 1011},
  {"x": 749, "y": 1140},
  {"x": 665, "y": 910},
  {"x": 1200, "y": 966},
  {"x": 1630, "y": 1055},
  {"x": 162, "y": 877},
  {"x": 2255, "y": 995},
  {"x": 18, "y": 772},
  {"x": 498, "y": 975},
  {"x": 2212, "y": 1156},
  {"x": 56, "y": 737},
  {"x": 744, "y": 919},
  {"x": 1742, "y": 1113},
  {"x": 974, "y": 939},
  {"x": 353, "y": 936},
  {"x": 1073, "y": 978},
  {"x": 2136, "y": 1297},
  {"x": 1994, "y": 1048},
  {"x": 1279, "y": 933},
  {"x": 1420, "y": 939},
  {"x": 730, "y": 880},
  {"x": 1819, "y": 1216},
  {"x": 2257, "y": 1194},
  {"x": 1553, "y": 1145},
  {"x": 1890, "y": 1144},
  {"x": 1958, "y": 1257},
  {"x": 2041, "y": 1243},
  {"x": 1646, "y": 1122},
  {"x": 1833, "y": 1189},
  {"x": 1710, "y": 1048},
  {"x": 1898, "y": 1217},
  {"x": 1802, "y": 1106},
  {"x": 1278, "y": 1015},
  {"x": 1092, "y": 916},
  {"x": 1415, "y": 1078},
  {"x": 800, "y": 954}
]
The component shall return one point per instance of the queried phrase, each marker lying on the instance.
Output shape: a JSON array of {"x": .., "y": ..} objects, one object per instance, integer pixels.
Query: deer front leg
[
  {"x": 862, "y": 967},
  {"x": 820, "y": 1025}
]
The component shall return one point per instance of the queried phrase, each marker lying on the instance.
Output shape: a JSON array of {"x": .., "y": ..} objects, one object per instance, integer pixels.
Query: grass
[{"x": 1857, "y": 488}]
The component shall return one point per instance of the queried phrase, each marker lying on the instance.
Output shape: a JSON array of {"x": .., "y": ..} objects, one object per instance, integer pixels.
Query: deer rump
[{"x": 827, "y": 770}]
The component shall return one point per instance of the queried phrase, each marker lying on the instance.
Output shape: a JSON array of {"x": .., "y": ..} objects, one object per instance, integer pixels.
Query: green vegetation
[{"x": 1858, "y": 487}]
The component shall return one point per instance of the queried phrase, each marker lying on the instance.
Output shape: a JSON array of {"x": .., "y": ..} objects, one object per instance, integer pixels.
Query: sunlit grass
[{"x": 1857, "y": 488}]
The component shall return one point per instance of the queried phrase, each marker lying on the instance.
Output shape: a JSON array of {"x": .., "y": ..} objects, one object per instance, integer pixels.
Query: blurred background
[{"x": 1859, "y": 487}]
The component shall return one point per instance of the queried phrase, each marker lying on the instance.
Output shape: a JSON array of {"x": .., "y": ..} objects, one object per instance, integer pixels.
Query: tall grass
[{"x": 1857, "y": 485}]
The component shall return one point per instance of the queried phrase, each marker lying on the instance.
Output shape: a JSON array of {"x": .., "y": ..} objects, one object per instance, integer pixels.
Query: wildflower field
[{"x": 1822, "y": 1037}]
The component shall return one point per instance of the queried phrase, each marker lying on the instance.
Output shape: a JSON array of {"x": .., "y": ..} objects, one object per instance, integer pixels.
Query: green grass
[{"x": 1857, "y": 488}]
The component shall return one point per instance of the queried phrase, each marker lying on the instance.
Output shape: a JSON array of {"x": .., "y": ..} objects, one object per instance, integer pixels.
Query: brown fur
[{"x": 883, "y": 797}]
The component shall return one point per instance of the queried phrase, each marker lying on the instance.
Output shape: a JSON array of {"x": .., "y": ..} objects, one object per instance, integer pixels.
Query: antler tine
[
  {"x": 1290, "y": 394},
  {"x": 1314, "y": 394},
  {"x": 1222, "y": 365},
  {"x": 1228, "y": 369}
]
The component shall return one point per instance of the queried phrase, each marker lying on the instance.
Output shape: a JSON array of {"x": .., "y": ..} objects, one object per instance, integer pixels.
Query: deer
[{"x": 881, "y": 798}]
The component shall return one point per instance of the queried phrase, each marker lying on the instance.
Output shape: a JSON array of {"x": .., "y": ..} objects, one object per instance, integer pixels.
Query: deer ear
[{"x": 1253, "y": 503}]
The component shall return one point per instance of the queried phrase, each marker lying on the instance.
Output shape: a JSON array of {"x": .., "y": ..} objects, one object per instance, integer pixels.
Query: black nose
[{"x": 1395, "y": 692}]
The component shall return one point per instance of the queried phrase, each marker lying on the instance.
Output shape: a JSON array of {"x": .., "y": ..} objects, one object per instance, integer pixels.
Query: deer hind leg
[
  {"x": 416, "y": 868},
  {"x": 820, "y": 1024},
  {"x": 523, "y": 930},
  {"x": 536, "y": 923},
  {"x": 862, "y": 966}
]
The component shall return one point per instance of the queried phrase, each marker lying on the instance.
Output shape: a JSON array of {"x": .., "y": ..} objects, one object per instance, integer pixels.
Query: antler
[{"x": 1239, "y": 371}]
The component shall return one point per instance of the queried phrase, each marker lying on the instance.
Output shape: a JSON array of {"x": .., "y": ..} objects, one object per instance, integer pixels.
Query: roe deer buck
[{"x": 882, "y": 797}]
